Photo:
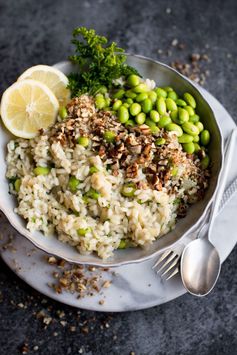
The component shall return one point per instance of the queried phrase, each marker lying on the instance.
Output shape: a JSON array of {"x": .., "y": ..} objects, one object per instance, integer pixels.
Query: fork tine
[
  {"x": 176, "y": 271},
  {"x": 169, "y": 268},
  {"x": 163, "y": 256},
  {"x": 172, "y": 256}
]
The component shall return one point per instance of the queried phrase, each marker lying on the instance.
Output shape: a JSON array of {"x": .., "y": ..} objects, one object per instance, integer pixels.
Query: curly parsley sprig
[{"x": 99, "y": 62}]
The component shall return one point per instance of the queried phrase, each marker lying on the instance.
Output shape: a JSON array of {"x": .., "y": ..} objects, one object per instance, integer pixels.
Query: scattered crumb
[{"x": 101, "y": 302}]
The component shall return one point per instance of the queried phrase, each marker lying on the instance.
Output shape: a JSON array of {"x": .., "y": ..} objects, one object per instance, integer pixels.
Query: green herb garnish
[{"x": 99, "y": 62}]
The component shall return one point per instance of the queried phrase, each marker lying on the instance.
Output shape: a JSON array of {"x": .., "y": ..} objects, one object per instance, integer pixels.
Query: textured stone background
[{"x": 33, "y": 32}]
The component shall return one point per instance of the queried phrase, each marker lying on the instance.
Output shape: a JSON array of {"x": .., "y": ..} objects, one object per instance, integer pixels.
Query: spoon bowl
[{"x": 200, "y": 267}]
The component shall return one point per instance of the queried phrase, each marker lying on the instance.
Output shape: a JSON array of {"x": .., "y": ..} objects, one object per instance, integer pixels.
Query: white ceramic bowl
[{"x": 164, "y": 76}]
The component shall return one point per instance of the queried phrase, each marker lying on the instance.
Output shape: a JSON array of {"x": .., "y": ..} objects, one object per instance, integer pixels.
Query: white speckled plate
[{"x": 134, "y": 286}]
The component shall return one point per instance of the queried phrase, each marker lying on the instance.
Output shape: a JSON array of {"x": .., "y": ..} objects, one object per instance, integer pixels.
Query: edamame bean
[
  {"x": 173, "y": 127},
  {"x": 196, "y": 139},
  {"x": 190, "y": 110},
  {"x": 73, "y": 183},
  {"x": 189, "y": 147},
  {"x": 150, "y": 123},
  {"x": 154, "y": 115},
  {"x": 205, "y": 137},
  {"x": 130, "y": 123},
  {"x": 161, "y": 92},
  {"x": 154, "y": 129},
  {"x": 197, "y": 147},
  {"x": 62, "y": 112},
  {"x": 125, "y": 104},
  {"x": 131, "y": 94},
  {"x": 199, "y": 126},
  {"x": 17, "y": 185},
  {"x": 107, "y": 101},
  {"x": 185, "y": 138},
  {"x": 164, "y": 120},
  {"x": 190, "y": 100},
  {"x": 41, "y": 170},
  {"x": 116, "y": 105},
  {"x": 109, "y": 136},
  {"x": 174, "y": 171},
  {"x": 100, "y": 102},
  {"x": 93, "y": 170},
  {"x": 152, "y": 95},
  {"x": 205, "y": 162},
  {"x": 129, "y": 101},
  {"x": 183, "y": 115},
  {"x": 172, "y": 95},
  {"x": 140, "y": 88},
  {"x": 92, "y": 194},
  {"x": 119, "y": 94},
  {"x": 123, "y": 114},
  {"x": 133, "y": 80},
  {"x": 190, "y": 128},
  {"x": 161, "y": 105},
  {"x": 168, "y": 89},
  {"x": 146, "y": 105},
  {"x": 174, "y": 116},
  {"x": 122, "y": 244},
  {"x": 102, "y": 90},
  {"x": 194, "y": 118},
  {"x": 160, "y": 141},
  {"x": 135, "y": 109},
  {"x": 128, "y": 190},
  {"x": 141, "y": 97},
  {"x": 84, "y": 141},
  {"x": 170, "y": 104},
  {"x": 82, "y": 231},
  {"x": 140, "y": 118},
  {"x": 181, "y": 103}
]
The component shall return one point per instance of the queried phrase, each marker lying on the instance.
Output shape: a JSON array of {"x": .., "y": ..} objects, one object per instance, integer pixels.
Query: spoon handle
[{"x": 220, "y": 190}]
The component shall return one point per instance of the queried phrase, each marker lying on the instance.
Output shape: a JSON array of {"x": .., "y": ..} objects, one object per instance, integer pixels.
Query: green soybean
[
  {"x": 174, "y": 116},
  {"x": 173, "y": 127},
  {"x": 73, "y": 183},
  {"x": 196, "y": 139},
  {"x": 141, "y": 97},
  {"x": 161, "y": 92},
  {"x": 181, "y": 103},
  {"x": 83, "y": 231},
  {"x": 164, "y": 121},
  {"x": 129, "y": 101},
  {"x": 109, "y": 136},
  {"x": 168, "y": 88},
  {"x": 130, "y": 94},
  {"x": 116, "y": 105},
  {"x": 135, "y": 109},
  {"x": 125, "y": 104},
  {"x": 84, "y": 141},
  {"x": 185, "y": 138},
  {"x": 170, "y": 104},
  {"x": 199, "y": 126},
  {"x": 133, "y": 80},
  {"x": 190, "y": 110},
  {"x": 123, "y": 114},
  {"x": 154, "y": 115},
  {"x": 197, "y": 147},
  {"x": 194, "y": 118},
  {"x": 92, "y": 194},
  {"x": 93, "y": 169},
  {"x": 128, "y": 190},
  {"x": 205, "y": 137},
  {"x": 100, "y": 102},
  {"x": 172, "y": 95},
  {"x": 190, "y": 128},
  {"x": 190, "y": 100},
  {"x": 62, "y": 112},
  {"x": 174, "y": 171},
  {"x": 189, "y": 147},
  {"x": 154, "y": 129},
  {"x": 205, "y": 162},
  {"x": 183, "y": 115},
  {"x": 107, "y": 101},
  {"x": 152, "y": 95},
  {"x": 150, "y": 123},
  {"x": 130, "y": 123},
  {"x": 140, "y": 88},
  {"x": 140, "y": 118},
  {"x": 119, "y": 94},
  {"x": 17, "y": 185},
  {"x": 161, "y": 105},
  {"x": 41, "y": 170},
  {"x": 160, "y": 141},
  {"x": 123, "y": 244},
  {"x": 146, "y": 105},
  {"x": 102, "y": 90}
]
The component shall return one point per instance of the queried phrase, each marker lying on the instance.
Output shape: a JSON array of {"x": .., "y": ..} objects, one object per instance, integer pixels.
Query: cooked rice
[{"x": 48, "y": 205}]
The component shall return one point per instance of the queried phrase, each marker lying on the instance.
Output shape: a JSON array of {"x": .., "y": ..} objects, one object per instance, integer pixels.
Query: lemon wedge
[
  {"x": 27, "y": 106},
  {"x": 53, "y": 78}
]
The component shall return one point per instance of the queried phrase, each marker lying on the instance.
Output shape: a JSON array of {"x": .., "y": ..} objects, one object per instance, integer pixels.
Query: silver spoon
[{"x": 200, "y": 262}]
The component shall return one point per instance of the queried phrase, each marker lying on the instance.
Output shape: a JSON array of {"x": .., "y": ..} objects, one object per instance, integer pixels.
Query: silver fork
[{"x": 168, "y": 263}]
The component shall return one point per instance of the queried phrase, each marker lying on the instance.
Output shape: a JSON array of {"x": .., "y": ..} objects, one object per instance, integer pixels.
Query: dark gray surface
[{"x": 33, "y": 32}]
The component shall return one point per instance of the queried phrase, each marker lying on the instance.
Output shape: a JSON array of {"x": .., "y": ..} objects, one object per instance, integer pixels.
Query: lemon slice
[
  {"x": 53, "y": 78},
  {"x": 27, "y": 106}
]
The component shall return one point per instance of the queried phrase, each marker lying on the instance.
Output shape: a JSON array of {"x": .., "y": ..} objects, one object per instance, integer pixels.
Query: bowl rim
[{"x": 102, "y": 263}]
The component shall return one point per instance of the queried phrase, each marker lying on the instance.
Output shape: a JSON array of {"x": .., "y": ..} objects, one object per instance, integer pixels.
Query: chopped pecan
[{"x": 132, "y": 171}]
